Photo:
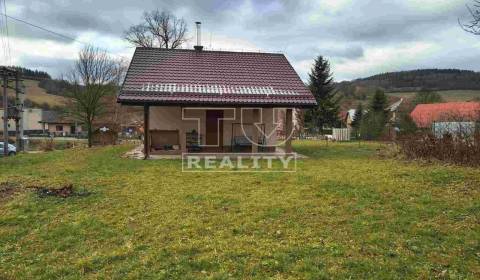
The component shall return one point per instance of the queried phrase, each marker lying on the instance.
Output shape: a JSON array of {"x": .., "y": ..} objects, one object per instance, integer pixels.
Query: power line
[
  {"x": 2, "y": 36},
  {"x": 9, "y": 55},
  {"x": 55, "y": 33},
  {"x": 44, "y": 29}
]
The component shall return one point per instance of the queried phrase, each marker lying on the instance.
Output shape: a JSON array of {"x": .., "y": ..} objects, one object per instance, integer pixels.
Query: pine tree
[
  {"x": 373, "y": 123},
  {"x": 323, "y": 89},
  {"x": 357, "y": 118},
  {"x": 379, "y": 102},
  {"x": 406, "y": 124}
]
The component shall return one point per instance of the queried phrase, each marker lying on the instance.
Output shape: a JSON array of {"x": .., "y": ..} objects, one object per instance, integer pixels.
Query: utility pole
[
  {"x": 5, "y": 114},
  {"x": 18, "y": 115},
  {"x": 12, "y": 112}
]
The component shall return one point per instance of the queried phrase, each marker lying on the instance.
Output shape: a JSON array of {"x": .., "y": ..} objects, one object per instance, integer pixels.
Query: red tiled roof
[
  {"x": 425, "y": 114},
  {"x": 162, "y": 76}
]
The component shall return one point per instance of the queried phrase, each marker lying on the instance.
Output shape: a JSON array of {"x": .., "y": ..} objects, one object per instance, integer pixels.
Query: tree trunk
[
  {"x": 89, "y": 135},
  {"x": 288, "y": 131}
]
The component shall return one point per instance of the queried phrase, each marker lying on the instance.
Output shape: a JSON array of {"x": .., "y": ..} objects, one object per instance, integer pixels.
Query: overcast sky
[{"x": 359, "y": 37}]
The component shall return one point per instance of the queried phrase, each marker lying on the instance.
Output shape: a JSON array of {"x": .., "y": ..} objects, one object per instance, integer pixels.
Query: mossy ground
[{"x": 344, "y": 214}]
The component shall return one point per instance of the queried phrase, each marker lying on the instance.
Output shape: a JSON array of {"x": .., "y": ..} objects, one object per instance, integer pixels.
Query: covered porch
[{"x": 170, "y": 131}]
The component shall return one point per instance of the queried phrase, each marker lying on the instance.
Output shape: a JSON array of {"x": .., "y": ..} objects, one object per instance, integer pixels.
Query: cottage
[
  {"x": 57, "y": 124},
  {"x": 348, "y": 117},
  {"x": 212, "y": 101}
]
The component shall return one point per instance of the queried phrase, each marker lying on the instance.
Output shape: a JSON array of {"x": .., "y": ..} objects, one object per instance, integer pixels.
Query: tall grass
[{"x": 458, "y": 148}]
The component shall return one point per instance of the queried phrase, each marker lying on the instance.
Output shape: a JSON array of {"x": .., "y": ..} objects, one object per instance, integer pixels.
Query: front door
[{"x": 214, "y": 128}]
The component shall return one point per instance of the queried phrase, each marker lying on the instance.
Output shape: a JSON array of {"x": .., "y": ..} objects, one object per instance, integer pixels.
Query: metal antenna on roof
[{"x": 210, "y": 40}]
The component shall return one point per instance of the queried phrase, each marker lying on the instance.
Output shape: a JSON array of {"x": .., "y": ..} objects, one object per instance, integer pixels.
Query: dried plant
[
  {"x": 455, "y": 141},
  {"x": 47, "y": 145}
]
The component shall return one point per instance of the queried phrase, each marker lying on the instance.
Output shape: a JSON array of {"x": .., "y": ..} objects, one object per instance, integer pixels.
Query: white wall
[
  {"x": 170, "y": 118},
  {"x": 30, "y": 120}
]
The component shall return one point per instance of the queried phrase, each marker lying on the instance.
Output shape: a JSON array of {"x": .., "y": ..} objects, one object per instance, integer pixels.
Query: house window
[{"x": 59, "y": 128}]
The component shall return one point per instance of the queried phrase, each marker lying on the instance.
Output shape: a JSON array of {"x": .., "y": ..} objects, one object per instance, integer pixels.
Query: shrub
[
  {"x": 459, "y": 148},
  {"x": 47, "y": 145}
]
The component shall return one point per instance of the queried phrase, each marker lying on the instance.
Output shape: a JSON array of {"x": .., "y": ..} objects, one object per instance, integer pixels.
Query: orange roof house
[{"x": 424, "y": 115}]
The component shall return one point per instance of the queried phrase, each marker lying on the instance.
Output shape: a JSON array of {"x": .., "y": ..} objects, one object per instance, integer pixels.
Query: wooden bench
[{"x": 244, "y": 142}]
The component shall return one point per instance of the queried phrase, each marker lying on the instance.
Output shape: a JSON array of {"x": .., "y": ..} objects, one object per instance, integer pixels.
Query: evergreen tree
[
  {"x": 379, "y": 102},
  {"x": 322, "y": 86},
  {"x": 406, "y": 124},
  {"x": 373, "y": 123},
  {"x": 357, "y": 118}
]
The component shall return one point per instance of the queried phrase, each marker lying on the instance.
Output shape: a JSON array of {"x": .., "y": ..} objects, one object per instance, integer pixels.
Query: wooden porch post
[
  {"x": 146, "y": 130},
  {"x": 288, "y": 131},
  {"x": 182, "y": 137},
  {"x": 256, "y": 119}
]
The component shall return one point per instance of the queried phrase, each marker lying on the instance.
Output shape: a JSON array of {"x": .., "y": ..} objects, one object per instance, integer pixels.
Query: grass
[
  {"x": 344, "y": 214},
  {"x": 59, "y": 143},
  {"x": 38, "y": 95},
  {"x": 448, "y": 95}
]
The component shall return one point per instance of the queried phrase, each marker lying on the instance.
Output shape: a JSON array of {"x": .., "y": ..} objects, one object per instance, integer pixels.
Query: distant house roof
[
  {"x": 55, "y": 117},
  {"x": 394, "y": 107},
  {"x": 351, "y": 114},
  {"x": 426, "y": 114},
  {"x": 190, "y": 77}
]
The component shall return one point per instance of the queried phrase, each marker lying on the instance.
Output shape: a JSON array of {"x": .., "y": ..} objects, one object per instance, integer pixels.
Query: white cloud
[
  {"x": 434, "y": 5},
  {"x": 359, "y": 37},
  {"x": 23, "y": 50},
  {"x": 383, "y": 59},
  {"x": 226, "y": 43},
  {"x": 326, "y": 8}
]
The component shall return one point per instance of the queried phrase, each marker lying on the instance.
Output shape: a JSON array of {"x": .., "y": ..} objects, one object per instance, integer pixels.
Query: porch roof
[{"x": 212, "y": 78}]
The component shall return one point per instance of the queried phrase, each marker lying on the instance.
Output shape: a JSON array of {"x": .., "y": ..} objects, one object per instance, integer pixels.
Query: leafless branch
[
  {"x": 94, "y": 76},
  {"x": 473, "y": 26},
  {"x": 139, "y": 35},
  {"x": 159, "y": 29}
]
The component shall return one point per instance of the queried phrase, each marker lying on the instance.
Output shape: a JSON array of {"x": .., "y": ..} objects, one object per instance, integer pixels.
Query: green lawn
[{"x": 345, "y": 214}]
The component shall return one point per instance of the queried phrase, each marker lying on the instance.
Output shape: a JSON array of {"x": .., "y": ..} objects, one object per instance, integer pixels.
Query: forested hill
[
  {"x": 32, "y": 74},
  {"x": 435, "y": 79}
]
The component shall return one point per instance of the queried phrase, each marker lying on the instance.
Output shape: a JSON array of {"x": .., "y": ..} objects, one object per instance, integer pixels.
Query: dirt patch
[
  {"x": 7, "y": 190},
  {"x": 63, "y": 192}
]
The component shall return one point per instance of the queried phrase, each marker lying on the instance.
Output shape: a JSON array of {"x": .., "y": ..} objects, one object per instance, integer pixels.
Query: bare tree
[
  {"x": 94, "y": 76},
  {"x": 159, "y": 30},
  {"x": 473, "y": 26}
]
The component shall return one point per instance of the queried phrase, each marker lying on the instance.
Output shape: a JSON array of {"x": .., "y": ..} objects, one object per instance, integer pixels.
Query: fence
[{"x": 341, "y": 134}]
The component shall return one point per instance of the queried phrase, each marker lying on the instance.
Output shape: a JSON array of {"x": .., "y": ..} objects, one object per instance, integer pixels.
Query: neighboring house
[
  {"x": 449, "y": 117},
  {"x": 197, "y": 100},
  {"x": 30, "y": 121},
  {"x": 57, "y": 124},
  {"x": 393, "y": 110},
  {"x": 348, "y": 117}
]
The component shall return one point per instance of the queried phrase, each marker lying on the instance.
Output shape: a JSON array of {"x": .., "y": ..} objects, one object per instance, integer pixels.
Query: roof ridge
[
  {"x": 451, "y": 103},
  {"x": 210, "y": 51}
]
